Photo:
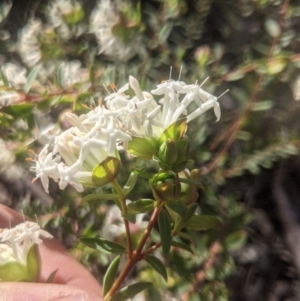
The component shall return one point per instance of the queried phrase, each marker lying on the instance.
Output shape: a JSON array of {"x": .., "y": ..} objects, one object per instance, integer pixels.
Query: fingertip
[{"x": 11, "y": 291}]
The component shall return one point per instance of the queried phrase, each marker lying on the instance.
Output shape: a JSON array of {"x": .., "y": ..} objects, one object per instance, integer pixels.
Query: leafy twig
[
  {"x": 136, "y": 256},
  {"x": 214, "y": 250},
  {"x": 232, "y": 132}
]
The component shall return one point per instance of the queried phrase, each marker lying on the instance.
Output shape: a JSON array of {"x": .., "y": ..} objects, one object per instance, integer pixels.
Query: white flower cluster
[
  {"x": 16, "y": 242},
  {"x": 103, "y": 18},
  {"x": 58, "y": 11},
  {"x": 16, "y": 78},
  {"x": 29, "y": 44},
  {"x": 106, "y": 129}
]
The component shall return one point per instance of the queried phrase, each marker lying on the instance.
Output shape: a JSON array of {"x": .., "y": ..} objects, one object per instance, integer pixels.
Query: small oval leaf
[
  {"x": 181, "y": 223},
  {"x": 235, "y": 240},
  {"x": 51, "y": 277},
  {"x": 130, "y": 291},
  {"x": 204, "y": 222},
  {"x": 177, "y": 206},
  {"x": 174, "y": 132},
  {"x": 142, "y": 173},
  {"x": 143, "y": 148},
  {"x": 188, "y": 237},
  {"x": 33, "y": 263},
  {"x": 272, "y": 27},
  {"x": 181, "y": 245},
  {"x": 99, "y": 197},
  {"x": 13, "y": 271},
  {"x": 110, "y": 275},
  {"x": 141, "y": 206},
  {"x": 130, "y": 183},
  {"x": 104, "y": 245},
  {"x": 31, "y": 78},
  {"x": 165, "y": 231},
  {"x": 157, "y": 265},
  {"x": 262, "y": 105},
  {"x": 106, "y": 171}
]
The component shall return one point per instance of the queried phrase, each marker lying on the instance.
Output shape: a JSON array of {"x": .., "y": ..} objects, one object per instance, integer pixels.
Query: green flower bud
[
  {"x": 168, "y": 152},
  {"x": 165, "y": 186},
  {"x": 182, "y": 147}
]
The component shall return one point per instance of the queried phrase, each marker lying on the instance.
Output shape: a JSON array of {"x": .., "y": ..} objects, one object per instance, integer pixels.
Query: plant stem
[
  {"x": 214, "y": 250},
  {"x": 122, "y": 199},
  {"x": 136, "y": 255}
]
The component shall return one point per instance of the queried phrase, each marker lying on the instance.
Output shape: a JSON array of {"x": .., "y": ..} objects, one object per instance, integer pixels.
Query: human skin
[{"x": 72, "y": 281}]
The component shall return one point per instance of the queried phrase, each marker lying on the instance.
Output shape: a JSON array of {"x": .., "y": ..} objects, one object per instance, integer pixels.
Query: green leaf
[
  {"x": 106, "y": 171},
  {"x": 142, "y": 173},
  {"x": 174, "y": 132},
  {"x": 263, "y": 105},
  {"x": 177, "y": 206},
  {"x": 110, "y": 275},
  {"x": 153, "y": 294},
  {"x": 60, "y": 75},
  {"x": 181, "y": 245},
  {"x": 157, "y": 265},
  {"x": 99, "y": 197},
  {"x": 19, "y": 109},
  {"x": 188, "y": 237},
  {"x": 272, "y": 27},
  {"x": 165, "y": 230},
  {"x": 276, "y": 65},
  {"x": 33, "y": 263},
  {"x": 5, "y": 8},
  {"x": 165, "y": 31},
  {"x": 31, "y": 78},
  {"x": 141, "y": 206},
  {"x": 144, "y": 148},
  {"x": 235, "y": 75},
  {"x": 4, "y": 78},
  {"x": 130, "y": 291},
  {"x": 104, "y": 245},
  {"x": 50, "y": 279},
  {"x": 74, "y": 17},
  {"x": 130, "y": 217},
  {"x": 168, "y": 152},
  {"x": 130, "y": 183},
  {"x": 235, "y": 240},
  {"x": 204, "y": 222},
  {"x": 184, "y": 220},
  {"x": 13, "y": 271}
]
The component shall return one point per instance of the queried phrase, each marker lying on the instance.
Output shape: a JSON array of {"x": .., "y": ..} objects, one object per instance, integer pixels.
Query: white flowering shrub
[{"x": 133, "y": 161}]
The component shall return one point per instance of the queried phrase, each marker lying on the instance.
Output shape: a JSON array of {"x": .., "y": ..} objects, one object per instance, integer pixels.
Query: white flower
[
  {"x": 15, "y": 75},
  {"x": 46, "y": 166},
  {"x": 16, "y": 242},
  {"x": 105, "y": 130},
  {"x": 103, "y": 18},
  {"x": 8, "y": 98},
  {"x": 113, "y": 224},
  {"x": 93, "y": 137},
  {"x": 29, "y": 45},
  {"x": 58, "y": 10},
  {"x": 71, "y": 73}
]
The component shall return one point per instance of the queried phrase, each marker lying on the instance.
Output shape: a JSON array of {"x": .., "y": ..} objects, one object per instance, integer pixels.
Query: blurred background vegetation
[{"x": 59, "y": 55}]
